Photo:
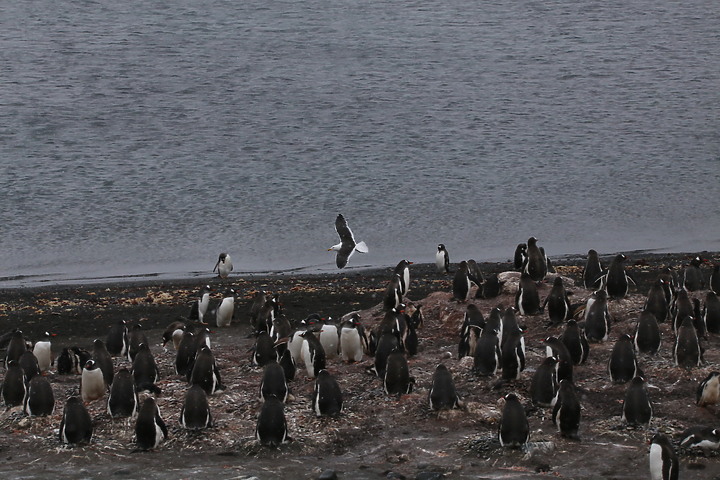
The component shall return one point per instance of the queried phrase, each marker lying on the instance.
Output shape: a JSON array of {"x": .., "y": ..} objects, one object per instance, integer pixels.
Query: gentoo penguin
[
  {"x": 387, "y": 343},
  {"x": 327, "y": 398},
  {"x": 495, "y": 322},
  {"x": 195, "y": 412},
  {"x": 150, "y": 429},
  {"x": 682, "y": 308},
  {"x": 281, "y": 330},
  {"x": 687, "y": 352},
  {"x": 711, "y": 313},
  {"x": 597, "y": 317},
  {"x": 403, "y": 270},
  {"x": 509, "y": 322},
  {"x": 566, "y": 410},
  {"x": 347, "y": 245},
  {"x": 312, "y": 354},
  {"x": 76, "y": 425},
  {"x": 16, "y": 346},
  {"x": 92, "y": 384},
  {"x": 413, "y": 322},
  {"x": 79, "y": 356},
  {"x": 259, "y": 299},
  {"x": 574, "y": 339},
  {"x": 224, "y": 265},
  {"x": 487, "y": 359},
  {"x": 514, "y": 429},
  {"x": 536, "y": 265},
  {"x": 699, "y": 319},
  {"x": 692, "y": 278},
  {"x": 617, "y": 281},
  {"x": 185, "y": 355},
  {"x": 65, "y": 363},
  {"x": 393, "y": 293},
  {"x": 288, "y": 365},
  {"x": 708, "y": 392},
  {"x": 555, "y": 348},
  {"x": 351, "y": 339},
  {"x": 592, "y": 271},
  {"x": 201, "y": 305},
  {"x": 544, "y": 383},
  {"x": 663, "y": 461},
  {"x": 135, "y": 338},
  {"x": 145, "y": 371},
  {"x": 623, "y": 365},
  {"x": 123, "y": 399},
  {"x": 394, "y": 322},
  {"x": 264, "y": 350},
  {"x": 226, "y": 310},
  {"x": 490, "y": 287},
  {"x": 14, "y": 386},
  {"x": 329, "y": 338},
  {"x": 647, "y": 333},
  {"x": 117, "y": 339},
  {"x": 475, "y": 273},
  {"x": 637, "y": 409},
  {"x": 40, "y": 399},
  {"x": 270, "y": 310},
  {"x": 442, "y": 259},
  {"x": 273, "y": 382},
  {"x": 705, "y": 438},
  {"x": 271, "y": 429},
  {"x": 656, "y": 302},
  {"x": 442, "y": 395},
  {"x": 43, "y": 352},
  {"x": 28, "y": 362},
  {"x": 715, "y": 279},
  {"x": 397, "y": 379},
  {"x": 520, "y": 256},
  {"x": 206, "y": 373},
  {"x": 103, "y": 360},
  {"x": 472, "y": 326},
  {"x": 174, "y": 332},
  {"x": 202, "y": 337},
  {"x": 558, "y": 305},
  {"x": 670, "y": 284},
  {"x": 527, "y": 300},
  {"x": 513, "y": 354},
  {"x": 461, "y": 283}
]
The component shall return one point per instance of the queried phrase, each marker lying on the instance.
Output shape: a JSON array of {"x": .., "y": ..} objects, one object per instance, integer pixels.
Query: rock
[
  {"x": 429, "y": 476},
  {"x": 328, "y": 475}
]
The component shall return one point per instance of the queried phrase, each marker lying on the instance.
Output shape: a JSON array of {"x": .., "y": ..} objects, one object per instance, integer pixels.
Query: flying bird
[{"x": 347, "y": 245}]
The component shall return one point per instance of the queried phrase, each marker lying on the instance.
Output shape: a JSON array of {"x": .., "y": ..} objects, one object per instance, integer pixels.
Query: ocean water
[{"x": 143, "y": 138}]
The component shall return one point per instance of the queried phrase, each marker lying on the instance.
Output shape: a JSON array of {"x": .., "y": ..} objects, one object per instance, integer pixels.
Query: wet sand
[{"x": 377, "y": 436}]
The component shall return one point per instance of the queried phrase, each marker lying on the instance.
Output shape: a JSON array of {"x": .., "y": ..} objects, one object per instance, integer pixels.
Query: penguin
[
  {"x": 351, "y": 339},
  {"x": 475, "y": 273},
  {"x": 487, "y": 359},
  {"x": 682, "y": 309},
  {"x": 536, "y": 265},
  {"x": 185, "y": 355},
  {"x": 411, "y": 339},
  {"x": 13, "y": 386},
  {"x": 617, "y": 282},
  {"x": 509, "y": 323},
  {"x": 313, "y": 354},
  {"x": 288, "y": 365},
  {"x": 347, "y": 246},
  {"x": 495, "y": 322},
  {"x": 393, "y": 293},
  {"x": 397, "y": 379},
  {"x": 670, "y": 284},
  {"x": 637, "y": 409},
  {"x": 472, "y": 326},
  {"x": 174, "y": 332},
  {"x": 402, "y": 269},
  {"x": 566, "y": 410},
  {"x": 555, "y": 348},
  {"x": 592, "y": 271},
  {"x": 123, "y": 400},
  {"x": 64, "y": 362},
  {"x": 16, "y": 346},
  {"x": 520, "y": 256},
  {"x": 28, "y": 362},
  {"x": 701, "y": 437},
  {"x": 117, "y": 339},
  {"x": 656, "y": 302},
  {"x": 692, "y": 278},
  {"x": 708, "y": 392},
  {"x": 514, "y": 429},
  {"x": 663, "y": 461},
  {"x": 145, "y": 371},
  {"x": 76, "y": 425},
  {"x": 135, "y": 338},
  {"x": 442, "y": 259},
  {"x": 687, "y": 352},
  {"x": 43, "y": 352},
  {"x": 296, "y": 340},
  {"x": 527, "y": 300},
  {"x": 40, "y": 399},
  {"x": 573, "y": 337},
  {"x": 150, "y": 428},
  {"x": 201, "y": 305},
  {"x": 394, "y": 322},
  {"x": 202, "y": 337},
  {"x": 327, "y": 398},
  {"x": 597, "y": 317},
  {"x": 103, "y": 360},
  {"x": 623, "y": 365},
  {"x": 714, "y": 283},
  {"x": 206, "y": 373},
  {"x": 329, "y": 339},
  {"x": 442, "y": 394},
  {"x": 92, "y": 384},
  {"x": 558, "y": 305},
  {"x": 513, "y": 354},
  {"x": 271, "y": 429},
  {"x": 647, "y": 333},
  {"x": 264, "y": 350},
  {"x": 270, "y": 310},
  {"x": 544, "y": 383},
  {"x": 79, "y": 357},
  {"x": 273, "y": 382},
  {"x": 490, "y": 288},
  {"x": 258, "y": 301},
  {"x": 224, "y": 265},
  {"x": 195, "y": 413},
  {"x": 461, "y": 283},
  {"x": 699, "y": 320},
  {"x": 226, "y": 310}
]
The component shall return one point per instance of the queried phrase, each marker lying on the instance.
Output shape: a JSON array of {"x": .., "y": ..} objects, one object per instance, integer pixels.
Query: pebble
[{"x": 328, "y": 475}]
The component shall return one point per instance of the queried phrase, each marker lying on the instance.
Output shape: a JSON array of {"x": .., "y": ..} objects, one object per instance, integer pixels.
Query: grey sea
[{"x": 144, "y": 138}]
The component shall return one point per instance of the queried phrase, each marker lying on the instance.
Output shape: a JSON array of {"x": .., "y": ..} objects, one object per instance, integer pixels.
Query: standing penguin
[
  {"x": 43, "y": 352},
  {"x": 442, "y": 259},
  {"x": 711, "y": 313},
  {"x": 92, "y": 383},
  {"x": 206, "y": 373},
  {"x": 656, "y": 302},
  {"x": 692, "y": 278},
  {"x": 226, "y": 310},
  {"x": 472, "y": 327},
  {"x": 487, "y": 359},
  {"x": 475, "y": 273},
  {"x": 687, "y": 352},
  {"x": 117, "y": 339},
  {"x": 461, "y": 283},
  {"x": 264, "y": 350},
  {"x": 145, "y": 371},
  {"x": 402, "y": 269},
  {"x": 397, "y": 380},
  {"x": 327, "y": 398},
  {"x": 573, "y": 337},
  {"x": 558, "y": 305},
  {"x": 663, "y": 460},
  {"x": 536, "y": 265},
  {"x": 670, "y": 284},
  {"x": 637, "y": 409},
  {"x": 28, "y": 362},
  {"x": 555, "y": 348},
  {"x": 490, "y": 287},
  {"x": 623, "y": 365},
  {"x": 387, "y": 344},
  {"x": 40, "y": 399},
  {"x": 442, "y": 395},
  {"x": 592, "y": 271},
  {"x": 527, "y": 300},
  {"x": 313, "y": 354},
  {"x": 597, "y": 317},
  {"x": 351, "y": 339},
  {"x": 520, "y": 256},
  {"x": 513, "y": 354},
  {"x": 150, "y": 428},
  {"x": 185, "y": 355},
  {"x": 647, "y": 333},
  {"x": 273, "y": 382},
  {"x": 13, "y": 386},
  {"x": 195, "y": 412},
  {"x": 682, "y": 309},
  {"x": 393, "y": 293},
  {"x": 16, "y": 346},
  {"x": 566, "y": 410},
  {"x": 123, "y": 399},
  {"x": 715, "y": 279},
  {"x": 65, "y": 363},
  {"x": 329, "y": 338},
  {"x": 288, "y": 365},
  {"x": 201, "y": 305},
  {"x": 617, "y": 282},
  {"x": 544, "y": 383},
  {"x": 223, "y": 266},
  {"x": 103, "y": 360},
  {"x": 135, "y": 338},
  {"x": 271, "y": 429},
  {"x": 76, "y": 425},
  {"x": 514, "y": 429},
  {"x": 708, "y": 392}
]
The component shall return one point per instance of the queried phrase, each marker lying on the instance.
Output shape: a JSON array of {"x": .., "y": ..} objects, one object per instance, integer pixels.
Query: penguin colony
[{"x": 629, "y": 366}]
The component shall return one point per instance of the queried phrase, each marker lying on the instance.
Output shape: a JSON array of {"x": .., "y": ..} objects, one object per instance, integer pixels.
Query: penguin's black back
[
  {"x": 397, "y": 375},
  {"x": 273, "y": 382},
  {"x": 442, "y": 394},
  {"x": 13, "y": 386},
  {"x": 146, "y": 434},
  {"x": 514, "y": 429},
  {"x": 76, "y": 425},
  {"x": 123, "y": 399},
  {"x": 40, "y": 400},
  {"x": 195, "y": 413},
  {"x": 327, "y": 396},
  {"x": 271, "y": 429}
]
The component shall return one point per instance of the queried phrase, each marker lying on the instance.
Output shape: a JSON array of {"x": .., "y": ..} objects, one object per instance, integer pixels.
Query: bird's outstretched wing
[{"x": 341, "y": 226}]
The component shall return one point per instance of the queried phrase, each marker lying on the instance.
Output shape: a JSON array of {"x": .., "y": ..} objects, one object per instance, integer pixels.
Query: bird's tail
[{"x": 361, "y": 247}]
